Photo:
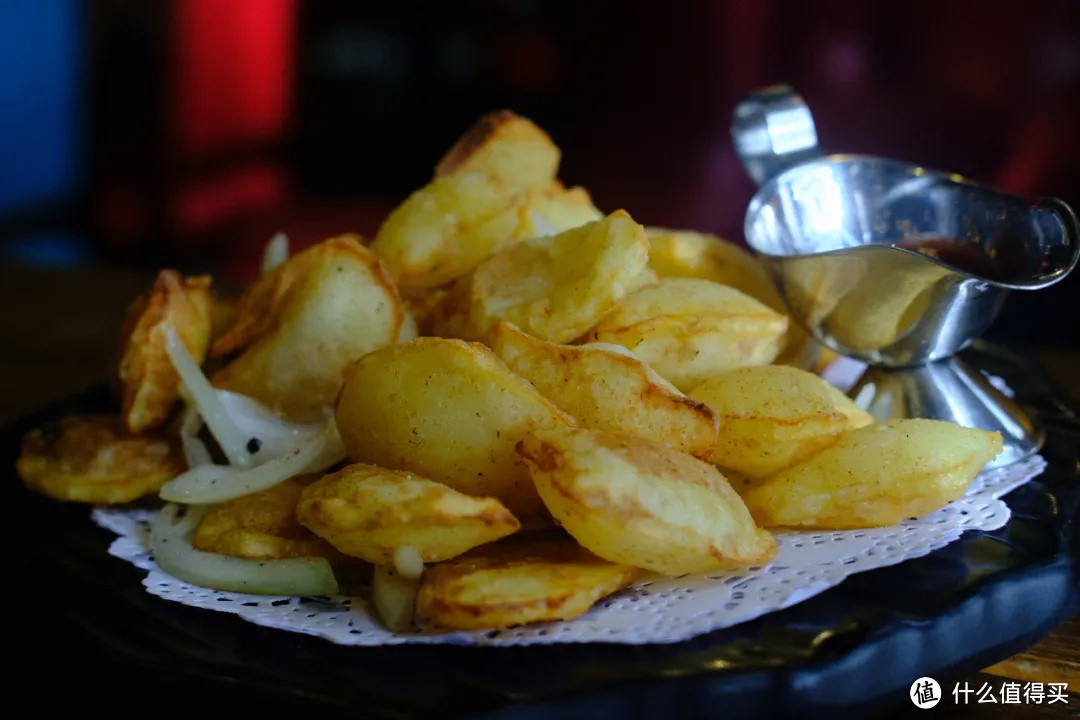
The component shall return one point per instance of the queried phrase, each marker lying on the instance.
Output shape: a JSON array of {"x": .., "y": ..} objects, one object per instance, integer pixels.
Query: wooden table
[{"x": 57, "y": 336}]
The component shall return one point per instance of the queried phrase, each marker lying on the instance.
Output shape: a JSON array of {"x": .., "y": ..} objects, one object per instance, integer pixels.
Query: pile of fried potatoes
[{"x": 538, "y": 401}]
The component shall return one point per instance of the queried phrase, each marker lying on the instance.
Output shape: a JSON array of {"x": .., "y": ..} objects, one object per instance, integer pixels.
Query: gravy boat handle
[{"x": 773, "y": 129}]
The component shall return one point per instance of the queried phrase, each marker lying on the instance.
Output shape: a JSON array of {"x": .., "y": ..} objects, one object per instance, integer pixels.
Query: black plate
[{"x": 86, "y": 619}]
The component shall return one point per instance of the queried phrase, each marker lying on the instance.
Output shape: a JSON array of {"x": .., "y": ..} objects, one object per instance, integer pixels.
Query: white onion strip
[
  {"x": 275, "y": 253},
  {"x": 394, "y": 598},
  {"x": 195, "y": 451},
  {"x": 408, "y": 562},
  {"x": 197, "y": 476},
  {"x": 275, "y": 435},
  {"x": 202, "y": 394},
  {"x": 218, "y": 483},
  {"x": 408, "y": 330},
  {"x": 170, "y": 544}
]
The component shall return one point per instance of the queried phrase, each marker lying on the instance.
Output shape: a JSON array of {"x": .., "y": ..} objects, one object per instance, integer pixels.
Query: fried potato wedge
[
  {"x": 506, "y": 147},
  {"x": 495, "y": 187},
  {"x": 420, "y": 308},
  {"x": 222, "y": 314},
  {"x": 682, "y": 253},
  {"x": 555, "y": 209},
  {"x": 370, "y": 512},
  {"x": 261, "y": 526},
  {"x": 641, "y": 503},
  {"x": 605, "y": 387},
  {"x": 447, "y": 410},
  {"x": 688, "y": 329},
  {"x": 298, "y": 327},
  {"x": 774, "y": 416},
  {"x": 96, "y": 459},
  {"x": 555, "y": 287},
  {"x": 448, "y": 227},
  {"x": 877, "y": 475},
  {"x": 149, "y": 385},
  {"x": 517, "y": 581},
  {"x": 648, "y": 276}
]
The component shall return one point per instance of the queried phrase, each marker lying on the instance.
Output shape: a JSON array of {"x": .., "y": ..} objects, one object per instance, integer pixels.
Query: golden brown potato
[
  {"x": 553, "y": 287},
  {"x": 454, "y": 223},
  {"x": 95, "y": 459},
  {"x": 420, "y": 308},
  {"x": 149, "y": 385},
  {"x": 516, "y": 581},
  {"x": 682, "y": 253},
  {"x": 494, "y": 188},
  {"x": 607, "y": 388},
  {"x": 877, "y": 475},
  {"x": 446, "y": 228},
  {"x": 298, "y": 327},
  {"x": 261, "y": 526},
  {"x": 774, "y": 416},
  {"x": 369, "y": 512},
  {"x": 554, "y": 209},
  {"x": 648, "y": 276},
  {"x": 688, "y": 329},
  {"x": 506, "y": 147},
  {"x": 447, "y": 410},
  {"x": 222, "y": 314},
  {"x": 449, "y": 316},
  {"x": 641, "y": 503}
]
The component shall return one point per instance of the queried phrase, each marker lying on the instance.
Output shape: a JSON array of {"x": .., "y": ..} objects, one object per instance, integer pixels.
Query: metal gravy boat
[{"x": 897, "y": 265}]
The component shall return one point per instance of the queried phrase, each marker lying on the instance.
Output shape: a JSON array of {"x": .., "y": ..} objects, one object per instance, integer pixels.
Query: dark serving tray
[{"x": 83, "y": 631}]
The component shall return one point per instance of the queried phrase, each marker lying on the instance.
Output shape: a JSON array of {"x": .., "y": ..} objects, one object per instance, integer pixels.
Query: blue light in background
[
  {"x": 46, "y": 250},
  {"x": 41, "y": 50}
]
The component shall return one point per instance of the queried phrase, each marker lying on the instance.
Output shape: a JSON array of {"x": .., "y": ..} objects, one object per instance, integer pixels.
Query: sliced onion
[
  {"x": 408, "y": 562},
  {"x": 195, "y": 451},
  {"x": 394, "y": 598},
  {"x": 333, "y": 449},
  {"x": 232, "y": 441},
  {"x": 218, "y": 483},
  {"x": 170, "y": 544},
  {"x": 199, "y": 475},
  {"x": 275, "y": 253},
  {"x": 276, "y": 435},
  {"x": 408, "y": 330}
]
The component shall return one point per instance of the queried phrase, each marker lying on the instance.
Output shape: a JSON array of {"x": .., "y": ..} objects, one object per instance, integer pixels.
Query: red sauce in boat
[{"x": 968, "y": 257}]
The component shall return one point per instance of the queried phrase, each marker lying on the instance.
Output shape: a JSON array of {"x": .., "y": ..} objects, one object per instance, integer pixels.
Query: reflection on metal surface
[
  {"x": 949, "y": 390},
  {"x": 896, "y": 265}
]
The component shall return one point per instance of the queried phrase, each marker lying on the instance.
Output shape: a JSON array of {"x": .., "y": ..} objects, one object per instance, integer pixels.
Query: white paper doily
[{"x": 656, "y": 609}]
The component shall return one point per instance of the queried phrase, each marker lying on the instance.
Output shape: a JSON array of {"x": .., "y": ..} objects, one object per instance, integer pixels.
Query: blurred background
[{"x": 138, "y": 134}]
